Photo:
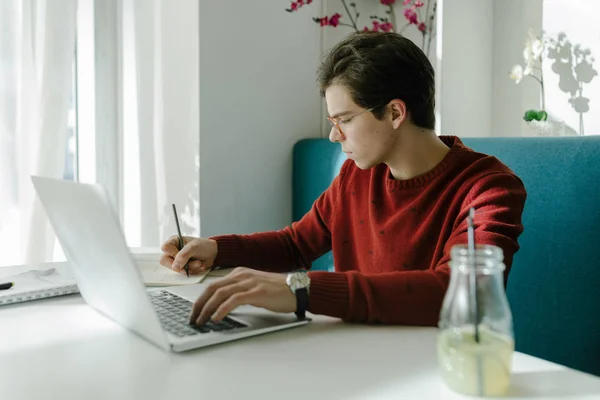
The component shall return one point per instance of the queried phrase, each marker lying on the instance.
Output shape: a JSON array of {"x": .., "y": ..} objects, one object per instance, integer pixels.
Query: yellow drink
[{"x": 479, "y": 369}]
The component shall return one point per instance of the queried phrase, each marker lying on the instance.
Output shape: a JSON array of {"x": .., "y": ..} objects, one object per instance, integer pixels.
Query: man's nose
[{"x": 334, "y": 135}]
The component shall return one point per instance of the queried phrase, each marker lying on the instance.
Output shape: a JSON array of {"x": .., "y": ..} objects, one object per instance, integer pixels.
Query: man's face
[{"x": 363, "y": 138}]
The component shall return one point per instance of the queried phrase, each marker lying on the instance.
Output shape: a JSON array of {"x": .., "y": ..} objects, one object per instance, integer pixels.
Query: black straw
[
  {"x": 473, "y": 273},
  {"x": 474, "y": 301}
]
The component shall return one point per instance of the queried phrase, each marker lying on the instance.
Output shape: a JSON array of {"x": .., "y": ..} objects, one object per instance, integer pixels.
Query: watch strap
[{"x": 301, "y": 303}]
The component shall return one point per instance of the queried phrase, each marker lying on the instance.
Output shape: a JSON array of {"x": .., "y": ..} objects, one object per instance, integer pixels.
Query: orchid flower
[{"x": 516, "y": 73}]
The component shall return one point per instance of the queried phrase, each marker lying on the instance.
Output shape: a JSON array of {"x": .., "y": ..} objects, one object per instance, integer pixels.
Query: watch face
[{"x": 298, "y": 280}]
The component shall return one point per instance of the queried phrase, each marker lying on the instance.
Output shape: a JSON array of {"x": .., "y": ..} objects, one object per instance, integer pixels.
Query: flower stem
[
  {"x": 427, "y": 23},
  {"x": 430, "y": 27},
  {"x": 404, "y": 27},
  {"x": 393, "y": 18},
  {"x": 350, "y": 16},
  {"x": 536, "y": 78},
  {"x": 542, "y": 90},
  {"x": 541, "y": 82}
]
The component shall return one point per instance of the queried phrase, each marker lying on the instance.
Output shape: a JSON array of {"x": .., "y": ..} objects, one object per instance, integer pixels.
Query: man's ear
[{"x": 398, "y": 108}]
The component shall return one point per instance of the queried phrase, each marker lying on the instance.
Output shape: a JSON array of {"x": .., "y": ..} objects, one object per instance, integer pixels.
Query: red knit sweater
[{"x": 390, "y": 238}]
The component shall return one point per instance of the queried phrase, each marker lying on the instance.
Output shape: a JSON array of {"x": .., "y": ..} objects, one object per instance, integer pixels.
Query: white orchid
[
  {"x": 529, "y": 60},
  {"x": 516, "y": 73},
  {"x": 534, "y": 44},
  {"x": 532, "y": 54},
  {"x": 537, "y": 48}
]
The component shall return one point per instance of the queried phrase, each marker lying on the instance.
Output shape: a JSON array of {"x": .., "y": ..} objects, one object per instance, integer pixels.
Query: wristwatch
[{"x": 299, "y": 284}]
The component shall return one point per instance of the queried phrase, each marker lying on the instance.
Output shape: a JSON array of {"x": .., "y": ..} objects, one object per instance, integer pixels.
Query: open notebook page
[{"x": 154, "y": 274}]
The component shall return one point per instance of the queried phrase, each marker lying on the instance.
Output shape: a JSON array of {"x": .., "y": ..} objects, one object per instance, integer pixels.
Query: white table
[{"x": 61, "y": 348}]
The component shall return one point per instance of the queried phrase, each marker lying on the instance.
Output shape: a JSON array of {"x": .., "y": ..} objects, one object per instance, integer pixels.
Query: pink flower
[
  {"x": 406, "y": 2},
  {"x": 387, "y": 2},
  {"x": 419, "y": 4},
  {"x": 376, "y": 26},
  {"x": 386, "y": 27},
  {"x": 411, "y": 16},
  {"x": 335, "y": 20},
  {"x": 422, "y": 27},
  {"x": 297, "y": 4}
]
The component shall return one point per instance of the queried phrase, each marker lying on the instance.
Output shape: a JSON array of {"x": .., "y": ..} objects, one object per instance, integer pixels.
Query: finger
[
  {"x": 166, "y": 260},
  {"x": 183, "y": 256},
  {"x": 195, "y": 266},
  {"x": 171, "y": 246},
  {"x": 236, "y": 300},
  {"x": 220, "y": 296},
  {"x": 207, "y": 294}
]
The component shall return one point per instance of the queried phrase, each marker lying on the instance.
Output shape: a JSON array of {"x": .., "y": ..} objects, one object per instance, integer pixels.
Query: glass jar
[{"x": 476, "y": 359}]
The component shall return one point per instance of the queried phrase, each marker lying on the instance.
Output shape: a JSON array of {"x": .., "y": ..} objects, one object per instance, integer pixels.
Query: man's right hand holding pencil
[{"x": 199, "y": 253}]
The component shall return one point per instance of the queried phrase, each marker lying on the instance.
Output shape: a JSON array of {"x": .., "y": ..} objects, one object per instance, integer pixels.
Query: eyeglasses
[{"x": 336, "y": 124}]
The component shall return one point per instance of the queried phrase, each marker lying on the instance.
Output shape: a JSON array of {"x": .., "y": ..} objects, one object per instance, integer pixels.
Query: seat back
[{"x": 554, "y": 285}]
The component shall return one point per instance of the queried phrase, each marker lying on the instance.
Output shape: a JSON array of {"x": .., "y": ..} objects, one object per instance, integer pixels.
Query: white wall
[
  {"x": 512, "y": 20},
  {"x": 482, "y": 39},
  {"x": 466, "y": 68},
  {"x": 258, "y": 97}
]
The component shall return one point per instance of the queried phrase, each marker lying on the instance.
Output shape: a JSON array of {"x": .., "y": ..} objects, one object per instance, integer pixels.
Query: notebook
[
  {"x": 37, "y": 284},
  {"x": 45, "y": 283},
  {"x": 154, "y": 274}
]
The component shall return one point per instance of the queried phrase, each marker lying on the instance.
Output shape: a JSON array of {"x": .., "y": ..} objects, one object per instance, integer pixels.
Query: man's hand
[
  {"x": 200, "y": 253},
  {"x": 243, "y": 286}
]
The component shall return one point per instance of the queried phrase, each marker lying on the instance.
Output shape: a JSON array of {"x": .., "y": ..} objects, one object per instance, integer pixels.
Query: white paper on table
[{"x": 154, "y": 274}]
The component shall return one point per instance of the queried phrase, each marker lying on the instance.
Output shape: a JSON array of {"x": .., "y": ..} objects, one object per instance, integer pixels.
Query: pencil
[
  {"x": 181, "y": 244},
  {"x": 206, "y": 275}
]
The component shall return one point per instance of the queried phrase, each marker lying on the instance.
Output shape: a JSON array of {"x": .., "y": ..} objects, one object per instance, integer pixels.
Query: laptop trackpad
[{"x": 190, "y": 292}]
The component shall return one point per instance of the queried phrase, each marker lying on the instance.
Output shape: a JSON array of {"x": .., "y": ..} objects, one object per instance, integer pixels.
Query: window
[
  {"x": 10, "y": 218},
  {"x": 20, "y": 59},
  {"x": 132, "y": 118}
]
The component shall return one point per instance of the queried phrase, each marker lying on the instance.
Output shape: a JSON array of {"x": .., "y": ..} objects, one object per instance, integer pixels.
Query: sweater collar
[{"x": 456, "y": 148}]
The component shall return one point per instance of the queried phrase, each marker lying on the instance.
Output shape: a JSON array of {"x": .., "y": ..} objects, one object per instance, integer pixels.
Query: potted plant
[{"x": 574, "y": 67}]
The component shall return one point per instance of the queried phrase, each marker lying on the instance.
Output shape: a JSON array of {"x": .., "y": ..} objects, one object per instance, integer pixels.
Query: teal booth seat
[{"x": 554, "y": 285}]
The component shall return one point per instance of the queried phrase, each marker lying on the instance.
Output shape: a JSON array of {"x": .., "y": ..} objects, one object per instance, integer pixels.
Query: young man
[{"x": 391, "y": 216}]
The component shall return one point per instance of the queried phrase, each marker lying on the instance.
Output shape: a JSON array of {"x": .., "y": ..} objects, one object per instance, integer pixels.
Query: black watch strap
[{"x": 301, "y": 303}]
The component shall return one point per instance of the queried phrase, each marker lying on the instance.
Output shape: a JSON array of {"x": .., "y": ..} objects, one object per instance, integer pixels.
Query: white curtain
[
  {"x": 163, "y": 42},
  {"x": 157, "y": 59},
  {"x": 37, "y": 46}
]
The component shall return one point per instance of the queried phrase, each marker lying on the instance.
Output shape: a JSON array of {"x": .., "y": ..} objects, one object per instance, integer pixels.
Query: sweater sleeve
[
  {"x": 415, "y": 297},
  {"x": 293, "y": 247}
]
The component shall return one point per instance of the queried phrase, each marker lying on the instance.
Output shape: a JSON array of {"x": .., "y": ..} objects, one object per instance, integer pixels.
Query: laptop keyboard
[{"x": 174, "y": 311}]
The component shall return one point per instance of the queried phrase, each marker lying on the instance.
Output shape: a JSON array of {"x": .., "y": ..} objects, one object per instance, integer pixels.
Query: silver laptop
[{"x": 108, "y": 279}]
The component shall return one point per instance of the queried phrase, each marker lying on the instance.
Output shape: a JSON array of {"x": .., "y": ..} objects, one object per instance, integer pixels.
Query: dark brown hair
[{"x": 377, "y": 67}]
